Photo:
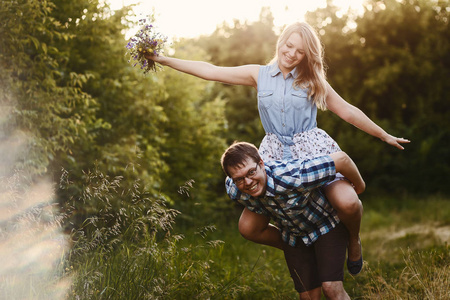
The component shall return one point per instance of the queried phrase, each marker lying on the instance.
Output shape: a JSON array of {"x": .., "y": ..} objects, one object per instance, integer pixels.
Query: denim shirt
[{"x": 283, "y": 109}]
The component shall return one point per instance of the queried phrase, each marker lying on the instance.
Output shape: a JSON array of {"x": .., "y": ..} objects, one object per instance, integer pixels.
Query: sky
[{"x": 191, "y": 18}]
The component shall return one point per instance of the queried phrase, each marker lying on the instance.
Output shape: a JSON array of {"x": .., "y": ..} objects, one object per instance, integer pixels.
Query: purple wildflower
[{"x": 146, "y": 40}]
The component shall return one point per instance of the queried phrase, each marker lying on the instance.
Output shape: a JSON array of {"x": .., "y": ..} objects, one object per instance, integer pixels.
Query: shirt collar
[
  {"x": 275, "y": 70},
  {"x": 270, "y": 185}
]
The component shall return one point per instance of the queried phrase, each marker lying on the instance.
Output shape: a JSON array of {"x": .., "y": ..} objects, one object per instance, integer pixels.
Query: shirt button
[
  {"x": 284, "y": 125},
  {"x": 282, "y": 110}
]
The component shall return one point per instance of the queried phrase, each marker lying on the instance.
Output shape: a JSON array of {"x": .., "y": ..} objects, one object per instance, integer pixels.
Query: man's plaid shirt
[{"x": 293, "y": 198}]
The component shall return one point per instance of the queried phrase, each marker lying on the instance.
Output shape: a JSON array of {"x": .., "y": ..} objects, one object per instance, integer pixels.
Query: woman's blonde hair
[{"x": 311, "y": 70}]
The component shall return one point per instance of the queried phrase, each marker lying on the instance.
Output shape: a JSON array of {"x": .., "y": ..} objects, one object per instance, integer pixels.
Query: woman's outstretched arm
[
  {"x": 241, "y": 75},
  {"x": 356, "y": 117}
]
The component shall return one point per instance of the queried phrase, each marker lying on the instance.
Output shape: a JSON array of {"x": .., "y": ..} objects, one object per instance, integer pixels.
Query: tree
[
  {"x": 49, "y": 104},
  {"x": 194, "y": 135},
  {"x": 88, "y": 111},
  {"x": 238, "y": 44},
  {"x": 393, "y": 65}
]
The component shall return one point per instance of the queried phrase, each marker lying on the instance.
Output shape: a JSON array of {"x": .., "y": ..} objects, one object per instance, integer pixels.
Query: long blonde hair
[{"x": 311, "y": 70}]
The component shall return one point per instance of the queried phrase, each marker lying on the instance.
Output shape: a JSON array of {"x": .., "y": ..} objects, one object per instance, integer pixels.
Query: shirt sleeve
[
  {"x": 232, "y": 190},
  {"x": 304, "y": 175},
  {"x": 242, "y": 198}
]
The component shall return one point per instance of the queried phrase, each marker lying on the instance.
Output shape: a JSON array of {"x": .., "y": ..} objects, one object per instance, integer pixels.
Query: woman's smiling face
[{"x": 291, "y": 53}]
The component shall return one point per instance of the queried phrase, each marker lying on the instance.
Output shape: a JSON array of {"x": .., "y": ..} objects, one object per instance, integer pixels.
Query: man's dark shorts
[{"x": 321, "y": 262}]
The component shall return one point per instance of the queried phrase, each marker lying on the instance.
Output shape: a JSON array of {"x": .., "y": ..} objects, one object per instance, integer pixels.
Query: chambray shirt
[
  {"x": 293, "y": 199},
  {"x": 283, "y": 109}
]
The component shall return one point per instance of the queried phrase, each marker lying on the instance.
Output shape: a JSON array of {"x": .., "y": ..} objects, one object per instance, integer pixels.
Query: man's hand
[{"x": 345, "y": 165}]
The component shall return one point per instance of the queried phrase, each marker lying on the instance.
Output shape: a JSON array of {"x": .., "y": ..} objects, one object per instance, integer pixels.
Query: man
[{"x": 313, "y": 240}]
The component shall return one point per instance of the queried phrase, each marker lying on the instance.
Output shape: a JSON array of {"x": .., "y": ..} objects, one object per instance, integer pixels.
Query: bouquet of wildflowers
[{"x": 145, "y": 41}]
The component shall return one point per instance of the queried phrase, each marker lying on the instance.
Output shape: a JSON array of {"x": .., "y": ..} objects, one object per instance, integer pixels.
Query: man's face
[{"x": 250, "y": 177}]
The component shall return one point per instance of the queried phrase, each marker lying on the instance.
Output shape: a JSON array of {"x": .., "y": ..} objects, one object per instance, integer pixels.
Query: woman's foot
[{"x": 355, "y": 259}]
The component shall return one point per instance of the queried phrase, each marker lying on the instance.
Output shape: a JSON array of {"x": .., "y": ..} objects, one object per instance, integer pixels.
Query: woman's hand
[
  {"x": 360, "y": 187},
  {"x": 395, "y": 141},
  {"x": 155, "y": 57}
]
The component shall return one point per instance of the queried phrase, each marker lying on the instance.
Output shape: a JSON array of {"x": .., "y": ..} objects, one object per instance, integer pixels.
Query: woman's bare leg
[{"x": 345, "y": 201}]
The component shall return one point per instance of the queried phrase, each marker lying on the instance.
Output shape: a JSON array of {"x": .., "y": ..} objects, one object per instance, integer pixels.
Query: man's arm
[
  {"x": 257, "y": 228},
  {"x": 345, "y": 165},
  {"x": 254, "y": 223}
]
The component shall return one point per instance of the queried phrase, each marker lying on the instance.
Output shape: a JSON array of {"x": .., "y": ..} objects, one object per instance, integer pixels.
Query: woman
[{"x": 290, "y": 89}]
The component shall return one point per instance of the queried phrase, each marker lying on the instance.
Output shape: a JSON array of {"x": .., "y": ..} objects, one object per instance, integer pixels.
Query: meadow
[
  {"x": 131, "y": 255},
  {"x": 405, "y": 251}
]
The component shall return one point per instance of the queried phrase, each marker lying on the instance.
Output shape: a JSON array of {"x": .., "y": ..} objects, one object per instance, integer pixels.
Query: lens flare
[{"x": 32, "y": 243}]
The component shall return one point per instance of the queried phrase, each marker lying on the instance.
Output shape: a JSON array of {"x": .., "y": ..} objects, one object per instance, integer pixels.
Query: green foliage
[
  {"x": 193, "y": 133},
  {"x": 238, "y": 44},
  {"x": 62, "y": 62},
  {"x": 82, "y": 106},
  {"x": 125, "y": 141},
  {"x": 48, "y": 102},
  {"x": 394, "y": 66}
]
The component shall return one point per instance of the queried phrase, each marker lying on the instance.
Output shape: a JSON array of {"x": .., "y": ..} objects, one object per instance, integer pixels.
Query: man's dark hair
[{"x": 237, "y": 153}]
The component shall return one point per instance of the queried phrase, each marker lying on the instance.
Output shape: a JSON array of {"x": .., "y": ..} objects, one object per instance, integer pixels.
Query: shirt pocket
[
  {"x": 266, "y": 98},
  {"x": 299, "y": 99}
]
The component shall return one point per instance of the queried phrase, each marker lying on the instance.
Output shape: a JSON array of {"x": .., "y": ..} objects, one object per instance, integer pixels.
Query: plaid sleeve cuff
[
  {"x": 242, "y": 198},
  {"x": 302, "y": 175},
  {"x": 233, "y": 192}
]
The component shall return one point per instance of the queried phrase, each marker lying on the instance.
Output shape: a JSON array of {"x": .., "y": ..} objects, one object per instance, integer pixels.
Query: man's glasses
[{"x": 250, "y": 174}]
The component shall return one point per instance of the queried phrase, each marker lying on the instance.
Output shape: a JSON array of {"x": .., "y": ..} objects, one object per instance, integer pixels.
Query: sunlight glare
[
  {"x": 200, "y": 17},
  {"x": 32, "y": 244}
]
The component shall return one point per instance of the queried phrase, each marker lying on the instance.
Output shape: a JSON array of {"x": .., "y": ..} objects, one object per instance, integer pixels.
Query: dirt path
[{"x": 441, "y": 232}]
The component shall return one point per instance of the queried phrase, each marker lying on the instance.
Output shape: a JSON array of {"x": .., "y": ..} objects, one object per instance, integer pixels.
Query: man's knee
[
  {"x": 334, "y": 290},
  {"x": 252, "y": 225},
  {"x": 248, "y": 229}
]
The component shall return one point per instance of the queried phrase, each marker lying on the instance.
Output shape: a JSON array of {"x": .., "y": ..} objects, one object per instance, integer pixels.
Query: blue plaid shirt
[{"x": 293, "y": 198}]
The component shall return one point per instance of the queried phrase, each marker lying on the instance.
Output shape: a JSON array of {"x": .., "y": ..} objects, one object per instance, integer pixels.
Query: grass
[
  {"x": 136, "y": 251},
  {"x": 405, "y": 247},
  {"x": 423, "y": 274},
  {"x": 404, "y": 259}
]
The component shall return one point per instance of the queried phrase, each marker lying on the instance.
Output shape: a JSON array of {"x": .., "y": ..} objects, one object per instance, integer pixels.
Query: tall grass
[
  {"x": 425, "y": 275},
  {"x": 405, "y": 246},
  {"x": 130, "y": 249},
  {"x": 131, "y": 252}
]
